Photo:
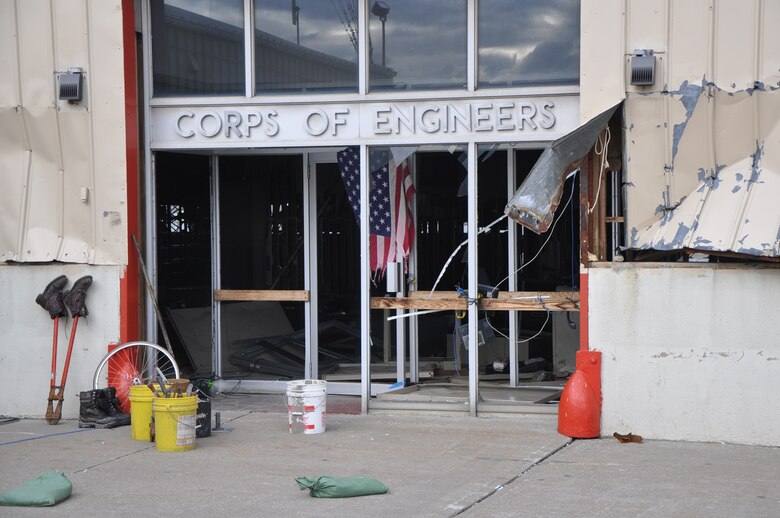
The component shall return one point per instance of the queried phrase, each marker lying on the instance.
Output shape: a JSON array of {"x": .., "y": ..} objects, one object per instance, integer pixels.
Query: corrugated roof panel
[
  {"x": 735, "y": 45},
  {"x": 108, "y": 126},
  {"x": 44, "y": 196},
  {"x": 646, "y": 24},
  {"x": 50, "y": 149},
  {"x": 8, "y": 56},
  {"x": 689, "y": 133},
  {"x": 769, "y": 71},
  {"x": 13, "y": 157},
  {"x": 721, "y": 146},
  {"x": 78, "y": 217},
  {"x": 688, "y": 56},
  {"x": 602, "y": 68},
  {"x": 734, "y": 208},
  {"x": 644, "y": 143},
  {"x": 13, "y": 166}
]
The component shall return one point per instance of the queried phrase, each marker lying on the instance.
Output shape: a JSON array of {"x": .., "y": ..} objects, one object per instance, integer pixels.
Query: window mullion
[
  {"x": 362, "y": 47},
  {"x": 471, "y": 46},
  {"x": 249, "y": 48}
]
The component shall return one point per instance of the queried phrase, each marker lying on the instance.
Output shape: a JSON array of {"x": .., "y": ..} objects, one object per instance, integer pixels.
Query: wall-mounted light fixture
[
  {"x": 643, "y": 67},
  {"x": 71, "y": 89}
]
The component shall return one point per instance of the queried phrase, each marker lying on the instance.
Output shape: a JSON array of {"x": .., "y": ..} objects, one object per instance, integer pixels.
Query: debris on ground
[{"x": 629, "y": 437}]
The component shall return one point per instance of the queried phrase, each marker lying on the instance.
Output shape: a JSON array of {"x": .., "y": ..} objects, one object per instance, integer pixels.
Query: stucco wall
[
  {"x": 25, "y": 351},
  {"x": 690, "y": 352}
]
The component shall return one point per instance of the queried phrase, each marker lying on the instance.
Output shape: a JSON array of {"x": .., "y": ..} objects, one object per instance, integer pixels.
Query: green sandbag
[
  {"x": 48, "y": 489},
  {"x": 333, "y": 487}
]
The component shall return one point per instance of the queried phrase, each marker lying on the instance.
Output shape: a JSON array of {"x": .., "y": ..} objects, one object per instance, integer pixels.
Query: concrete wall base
[
  {"x": 27, "y": 330},
  {"x": 689, "y": 351}
]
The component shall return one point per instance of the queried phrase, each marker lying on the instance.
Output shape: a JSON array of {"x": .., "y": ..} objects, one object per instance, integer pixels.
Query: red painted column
[
  {"x": 128, "y": 283},
  {"x": 579, "y": 411}
]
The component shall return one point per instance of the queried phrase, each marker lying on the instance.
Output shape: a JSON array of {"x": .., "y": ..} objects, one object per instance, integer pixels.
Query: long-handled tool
[
  {"x": 54, "y": 407},
  {"x": 51, "y": 301},
  {"x": 55, "y": 301},
  {"x": 151, "y": 296}
]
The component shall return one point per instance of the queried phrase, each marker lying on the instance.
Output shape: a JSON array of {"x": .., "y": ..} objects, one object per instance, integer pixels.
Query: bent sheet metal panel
[
  {"x": 50, "y": 149},
  {"x": 720, "y": 136},
  {"x": 13, "y": 154},
  {"x": 534, "y": 203},
  {"x": 41, "y": 235},
  {"x": 734, "y": 206},
  {"x": 70, "y": 48}
]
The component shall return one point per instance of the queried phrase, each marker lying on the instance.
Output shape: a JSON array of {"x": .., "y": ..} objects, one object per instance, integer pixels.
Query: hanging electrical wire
[
  {"x": 601, "y": 147},
  {"x": 449, "y": 260},
  {"x": 483, "y": 230},
  {"x": 541, "y": 329},
  {"x": 549, "y": 233}
]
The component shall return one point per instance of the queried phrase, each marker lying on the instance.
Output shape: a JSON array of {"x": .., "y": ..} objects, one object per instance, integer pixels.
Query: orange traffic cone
[{"x": 579, "y": 411}]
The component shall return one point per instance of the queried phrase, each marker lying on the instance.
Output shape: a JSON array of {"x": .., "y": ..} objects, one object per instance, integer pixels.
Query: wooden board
[
  {"x": 260, "y": 295},
  {"x": 506, "y": 301}
]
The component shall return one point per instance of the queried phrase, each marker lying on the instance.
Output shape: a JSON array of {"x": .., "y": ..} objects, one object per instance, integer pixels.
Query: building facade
[{"x": 316, "y": 188}]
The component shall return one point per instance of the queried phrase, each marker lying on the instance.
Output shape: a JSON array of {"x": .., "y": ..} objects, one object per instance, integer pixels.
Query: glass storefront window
[
  {"x": 305, "y": 45},
  {"x": 198, "y": 47},
  {"x": 527, "y": 42},
  {"x": 417, "y": 45}
]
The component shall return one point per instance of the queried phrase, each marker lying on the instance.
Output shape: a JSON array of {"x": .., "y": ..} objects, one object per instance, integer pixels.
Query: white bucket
[{"x": 306, "y": 405}]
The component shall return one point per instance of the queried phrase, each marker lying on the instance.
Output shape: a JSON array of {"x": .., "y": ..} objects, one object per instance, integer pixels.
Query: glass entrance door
[
  {"x": 260, "y": 290},
  {"x": 335, "y": 274}
]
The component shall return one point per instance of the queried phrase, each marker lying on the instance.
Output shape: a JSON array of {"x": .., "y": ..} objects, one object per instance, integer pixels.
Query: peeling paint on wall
[
  {"x": 735, "y": 137},
  {"x": 689, "y": 97}
]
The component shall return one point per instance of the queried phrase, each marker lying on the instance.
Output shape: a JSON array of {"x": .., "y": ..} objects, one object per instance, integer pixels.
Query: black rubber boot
[
  {"x": 76, "y": 297},
  {"x": 90, "y": 413},
  {"x": 109, "y": 403},
  {"x": 51, "y": 298}
]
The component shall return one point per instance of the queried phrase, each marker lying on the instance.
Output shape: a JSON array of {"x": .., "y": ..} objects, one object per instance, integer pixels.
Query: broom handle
[{"x": 154, "y": 299}]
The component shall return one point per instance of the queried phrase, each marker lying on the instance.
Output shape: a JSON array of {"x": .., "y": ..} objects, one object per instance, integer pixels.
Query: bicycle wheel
[{"x": 133, "y": 363}]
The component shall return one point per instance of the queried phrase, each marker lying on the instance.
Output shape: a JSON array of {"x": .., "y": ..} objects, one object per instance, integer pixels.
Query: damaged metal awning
[{"x": 535, "y": 202}]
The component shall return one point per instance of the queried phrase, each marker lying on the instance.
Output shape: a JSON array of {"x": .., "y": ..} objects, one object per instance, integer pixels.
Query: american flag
[{"x": 391, "y": 234}]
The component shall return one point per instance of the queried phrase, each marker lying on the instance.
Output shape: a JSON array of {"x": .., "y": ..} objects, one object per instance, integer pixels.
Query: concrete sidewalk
[{"x": 434, "y": 466}]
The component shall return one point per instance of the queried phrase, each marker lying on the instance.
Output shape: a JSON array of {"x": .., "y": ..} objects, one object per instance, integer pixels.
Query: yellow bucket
[
  {"x": 174, "y": 422},
  {"x": 140, "y": 411}
]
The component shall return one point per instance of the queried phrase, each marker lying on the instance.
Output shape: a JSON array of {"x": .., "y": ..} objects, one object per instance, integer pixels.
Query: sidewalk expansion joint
[
  {"x": 513, "y": 479},
  {"x": 111, "y": 460}
]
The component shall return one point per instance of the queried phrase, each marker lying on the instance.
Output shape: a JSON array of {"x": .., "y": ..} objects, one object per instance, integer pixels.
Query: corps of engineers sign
[{"x": 395, "y": 122}]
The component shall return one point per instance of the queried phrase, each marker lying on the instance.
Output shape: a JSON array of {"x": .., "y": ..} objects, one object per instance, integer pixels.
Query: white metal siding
[
  {"x": 691, "y": 138},
  {"x": 49, "y": 149}
]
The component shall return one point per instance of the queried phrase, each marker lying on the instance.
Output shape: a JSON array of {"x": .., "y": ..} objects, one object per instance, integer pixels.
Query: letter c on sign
[
  {"x": 322, "y": 126},
  {"x": 177, "y": 127}
]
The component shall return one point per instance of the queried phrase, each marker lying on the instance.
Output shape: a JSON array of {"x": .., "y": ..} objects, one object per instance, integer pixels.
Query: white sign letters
[{"x": 301, "y": 124}]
